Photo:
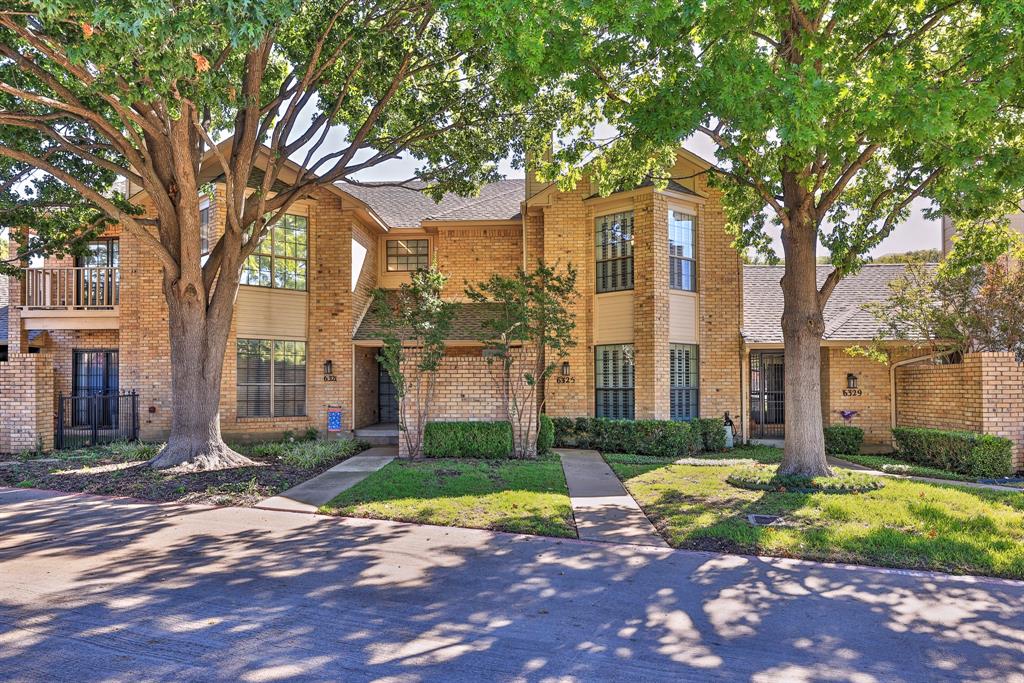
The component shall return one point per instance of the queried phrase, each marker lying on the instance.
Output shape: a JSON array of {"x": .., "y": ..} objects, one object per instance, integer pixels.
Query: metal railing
[
  {"x": 90, "y": 420},
  {"x": 89, "y": 287}
]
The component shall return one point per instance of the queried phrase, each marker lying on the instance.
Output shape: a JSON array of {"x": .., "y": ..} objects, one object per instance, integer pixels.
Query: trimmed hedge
[
  {"x": 662, "y": 438},
  {"x": 545, "y": 435},
  {"x": 467, "y": 440},
  {"x": 970, "y": 453},
  {"x": 843, "y": 440}
]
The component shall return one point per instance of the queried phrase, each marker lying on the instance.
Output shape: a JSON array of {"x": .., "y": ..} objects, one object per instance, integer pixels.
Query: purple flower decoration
[{"x": 848, "y": 415}]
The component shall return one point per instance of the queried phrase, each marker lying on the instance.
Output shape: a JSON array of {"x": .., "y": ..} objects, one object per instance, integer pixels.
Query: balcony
[{"x": 70, "y": 298}]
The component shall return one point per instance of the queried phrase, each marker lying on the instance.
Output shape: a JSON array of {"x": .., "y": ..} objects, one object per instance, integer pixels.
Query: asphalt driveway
[{"x": 100, "y": 589}]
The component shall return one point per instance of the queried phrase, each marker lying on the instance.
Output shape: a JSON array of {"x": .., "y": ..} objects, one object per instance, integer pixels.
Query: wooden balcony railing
[{"x": 71, "y": 288}]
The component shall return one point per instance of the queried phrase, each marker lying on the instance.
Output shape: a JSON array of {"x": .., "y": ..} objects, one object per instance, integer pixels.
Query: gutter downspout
[{"x": 892, "y": 380}]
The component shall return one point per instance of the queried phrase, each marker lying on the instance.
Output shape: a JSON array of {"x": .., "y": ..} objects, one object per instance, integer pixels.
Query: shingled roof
[
  {"x": 467, "y": 323},
  {"x": 408, "y": 207},
  {"x": 845, "y": 317}
]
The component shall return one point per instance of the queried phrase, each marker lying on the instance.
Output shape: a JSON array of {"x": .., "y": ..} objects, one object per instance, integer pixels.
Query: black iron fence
[{"x": 94, "y": 419}]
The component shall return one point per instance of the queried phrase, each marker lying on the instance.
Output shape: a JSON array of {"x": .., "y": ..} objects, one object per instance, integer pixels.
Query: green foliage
[
  {"x": 662, "y": 438},
  {"x": 977, "y": 455},
  {"x": 467, "y": 440},
  {"x": 912, "y": 256},
  {"x": 760, "y": 478},
  {"x": 308, "y": 454},
  {"x": 843, "y": 439},
  {"x": 712, "y": 433},
  {"x": 545, "y": 435}
]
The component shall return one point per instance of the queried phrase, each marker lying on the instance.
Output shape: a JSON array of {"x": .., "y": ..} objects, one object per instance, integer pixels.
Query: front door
[
  {"x": 386, "y": 396},
  {"x": 94, "y": 374},
  {"x": 767, "y": 395}
]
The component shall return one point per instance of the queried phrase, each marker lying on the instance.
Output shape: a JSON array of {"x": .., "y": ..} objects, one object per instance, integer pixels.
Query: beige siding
[
  {"x": 265, "y": 313},
  {"x": 682, "y": 318},
  {"x": 613, "y": 318}
]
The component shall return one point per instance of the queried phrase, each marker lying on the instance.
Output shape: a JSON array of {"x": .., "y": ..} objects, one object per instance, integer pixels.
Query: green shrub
[
  {"x": 545, "y": 435},
  {"x": 766, "y": 479},
  {"x": 712, "y": 433},
  {"x": 467, "y": 440},
  {"x": 843, "y": 439},
  {"x": 970, "y": 453},
  {"x": 661, "y": 438}
]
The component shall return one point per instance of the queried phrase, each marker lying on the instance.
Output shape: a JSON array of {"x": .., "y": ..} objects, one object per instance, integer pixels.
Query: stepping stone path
[
  {"x": 604, "y": 511},
  {"x": 310, "y": 495}
]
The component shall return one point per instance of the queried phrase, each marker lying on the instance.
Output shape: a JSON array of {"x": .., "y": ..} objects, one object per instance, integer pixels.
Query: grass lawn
[
  {"x": 905, "y": 524},
  {"x": 521, "y": 496},
  {"x": 878, "y": 462}
]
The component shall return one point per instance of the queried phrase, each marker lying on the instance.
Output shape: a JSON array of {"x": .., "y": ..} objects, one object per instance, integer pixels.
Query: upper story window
[
  {"x": 204, "y": 226},
  {"x": 102, "y": 253},
  {"x": 280, "y": 260},
  {"x": 614, "y": 252},
  {"x": 406, "y": 256},
  {"x": 682, "y": 251}
]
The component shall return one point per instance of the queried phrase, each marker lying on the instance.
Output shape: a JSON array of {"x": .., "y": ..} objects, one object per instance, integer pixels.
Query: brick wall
[
  {"x": 474, "y": 253},
  {"x": 26, "y": 402},
  {"x": 984, "y": 394},
  {"x": 365, "y": 377},
  {"x": 62, "y": 345},
  {"x": 871, "y": 398}
]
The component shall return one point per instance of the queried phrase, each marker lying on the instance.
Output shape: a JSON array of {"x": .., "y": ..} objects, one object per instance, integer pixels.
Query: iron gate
[
  {"x": 767, "y": 395},
  {"x": 92, "y": 419}
]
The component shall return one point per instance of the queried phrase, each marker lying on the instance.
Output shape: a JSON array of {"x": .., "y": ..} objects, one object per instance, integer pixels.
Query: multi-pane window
[
  {"x": 682, "y": 251},
  {"x": 613, "y": 381},
  {"x": 280, "y": 260},
  {"x": 408, "y": 255},
  {"x": 204, "y": 227},
  {"x": 614, "y": 251},
  {"x": 271, "y": 378},
  {"x": 683, "y": 381}
]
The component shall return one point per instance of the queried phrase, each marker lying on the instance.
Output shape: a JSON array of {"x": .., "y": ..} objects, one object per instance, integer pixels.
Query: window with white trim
[
  {"x": 613, "y": 247},
  {"x": 406, "y": 256},
  {"x": 281, "y": 258},
  {"x": 613, "y": 381},
  {"x": 271, "y": 378},
  {"x": 684, "y": 381},
  {"x": 204, "y": 226},
  {"x": 682, "y": 251}
]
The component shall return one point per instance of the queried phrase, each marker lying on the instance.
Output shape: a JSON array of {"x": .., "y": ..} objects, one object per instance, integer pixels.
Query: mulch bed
[{"x": 242, "y": 486}]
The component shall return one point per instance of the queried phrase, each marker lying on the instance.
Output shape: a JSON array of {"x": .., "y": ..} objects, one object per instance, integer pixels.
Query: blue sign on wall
[{"x": 333, "y": 419}]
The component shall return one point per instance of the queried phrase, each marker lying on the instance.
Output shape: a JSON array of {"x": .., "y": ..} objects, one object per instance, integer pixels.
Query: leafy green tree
[
  {"x": 415, "y": 322},
  {"x": 153, "y": 91},
  {"x": 912, "y": 256},
  {"x": 531, "y": 327},
  {"x": 829, "y": 117}
]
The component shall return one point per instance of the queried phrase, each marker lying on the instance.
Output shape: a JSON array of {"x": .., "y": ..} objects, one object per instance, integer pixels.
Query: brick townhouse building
[{"x": 669, "y": 323}]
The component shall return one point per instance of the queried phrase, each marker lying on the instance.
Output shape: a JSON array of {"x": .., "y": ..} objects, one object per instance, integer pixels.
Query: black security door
[
  {"x": 767, "y": 396},
  {"x": 95, "y": 374},
  {"x": 386, "y": 397}
]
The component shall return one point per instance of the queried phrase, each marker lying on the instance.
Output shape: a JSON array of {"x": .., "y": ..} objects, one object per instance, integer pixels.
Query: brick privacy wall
[
  {"x": 873, "y": 403},
  {"x": 983, "y": 394},
  {"x": 366, "y": 407},
  {"x": 472, "y": 254},
  {"x": 466, "y": 390},
  {"x": 26, "y": 402}
]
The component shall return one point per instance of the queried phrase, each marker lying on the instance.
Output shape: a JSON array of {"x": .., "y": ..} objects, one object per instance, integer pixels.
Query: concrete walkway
[
  {"x": 104, "y": 589},
  {"x": 310, "y": 495},
  {"x": 604, "y": 511},
  {"x": 839, "y": 462}
]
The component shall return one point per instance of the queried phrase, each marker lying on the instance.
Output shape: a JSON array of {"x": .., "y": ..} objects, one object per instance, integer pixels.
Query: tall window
[
  {"x": 684, "y": 381},
  {"x": 614, "y": 252},
  {"x": 271, "y": 378},
  {"x": 280, "y": 260},
  {"x": 204, "y": 227},
  {"x": 614, "y": 381},
  {"x": 682, "y": 251},
  {"x": 408, "y": 255}
]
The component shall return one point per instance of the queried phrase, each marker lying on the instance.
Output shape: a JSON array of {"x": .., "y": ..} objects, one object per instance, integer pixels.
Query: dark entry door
[
  {"x": 767, "y": 396},
  {"x": 387, "y": 399},
  {"x": 95, "y": 374}
]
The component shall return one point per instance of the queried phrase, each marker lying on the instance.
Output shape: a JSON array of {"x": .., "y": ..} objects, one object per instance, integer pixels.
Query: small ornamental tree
[
  {"x": 415, "y": 322},
  {"x": 531, "y": 327},
  {"x": 279, "y": 97},
  {"x": 829, "y": 119}
]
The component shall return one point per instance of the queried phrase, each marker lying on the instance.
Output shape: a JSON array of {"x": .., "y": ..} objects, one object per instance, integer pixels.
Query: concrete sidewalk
[
  {"x": 310, "y": 495},
  {"x": 603, "y": 509},
  {"x": 104, "y": 589}
]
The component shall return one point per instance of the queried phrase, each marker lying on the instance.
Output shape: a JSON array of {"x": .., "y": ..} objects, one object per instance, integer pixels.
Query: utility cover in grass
[{"x": 766, "y": 479}]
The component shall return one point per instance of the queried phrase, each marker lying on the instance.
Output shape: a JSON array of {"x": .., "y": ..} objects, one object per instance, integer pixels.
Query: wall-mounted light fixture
[
  {"x": 565, "y": 368},
  {"x": 851, "y": 381},
  {"x": 328, "y": 367}
]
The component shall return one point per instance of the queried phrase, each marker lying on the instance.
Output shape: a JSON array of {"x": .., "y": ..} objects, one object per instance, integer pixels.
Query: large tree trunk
[
  {"x": 802, "y": 329},
  {"x": 198, "y": 342}
]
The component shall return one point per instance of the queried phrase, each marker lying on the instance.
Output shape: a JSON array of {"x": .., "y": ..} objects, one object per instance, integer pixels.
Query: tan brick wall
[
  {"x": 365, "y": 377},
  {"x": 871, "y": 399},
  {"x": 26, "y": 402},
  {"x": 983, "y": 394},
  {"x": 474, "y": 253},
  {"x": 61, "y": 347}
]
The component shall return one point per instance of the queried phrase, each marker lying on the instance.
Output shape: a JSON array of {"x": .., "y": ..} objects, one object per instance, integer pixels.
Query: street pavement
[{"x": 102, "y": 589}]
